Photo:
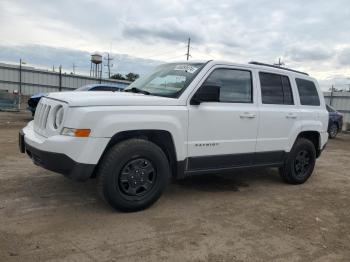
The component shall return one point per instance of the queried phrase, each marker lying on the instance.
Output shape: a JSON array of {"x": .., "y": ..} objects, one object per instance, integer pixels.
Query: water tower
[{"x": 96, "y": 65}]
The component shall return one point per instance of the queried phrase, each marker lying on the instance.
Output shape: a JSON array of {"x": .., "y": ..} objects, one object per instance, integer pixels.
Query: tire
[
  {"x": 133, "y": 174},
  {"x": 300, "y": 162},
  {"x": 333, "y": 130}
]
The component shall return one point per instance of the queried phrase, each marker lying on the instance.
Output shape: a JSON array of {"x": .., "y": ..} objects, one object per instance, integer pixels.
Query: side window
[
  {"x": 307, "y": 92},
  {"x": 235, "y": 85},
  {"x": 275, "y": 89}
]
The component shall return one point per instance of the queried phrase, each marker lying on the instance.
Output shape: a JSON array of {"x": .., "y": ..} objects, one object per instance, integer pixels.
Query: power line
[
  {"x": 168, "y": 51},
  {"x": 174, "y": 57},
  {"x": 161, "y": 54}
]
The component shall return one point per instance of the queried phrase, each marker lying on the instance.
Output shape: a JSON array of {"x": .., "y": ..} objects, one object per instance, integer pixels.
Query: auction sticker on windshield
[{"x": 188, "y": 68}]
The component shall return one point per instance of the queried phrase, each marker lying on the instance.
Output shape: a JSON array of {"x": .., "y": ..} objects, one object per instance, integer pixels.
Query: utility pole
[
  {"x": 20, "y": 83},
  {"x": 109, "y": 65},
  {"x": 188, "y": 48},
  {"x": 74, "y": 66},
  {"x": 60, "y": 79},
  {"x": 20, "y": 76},
  {"x": 280, "y": 63},
  {"x": 331, "y": 99}
]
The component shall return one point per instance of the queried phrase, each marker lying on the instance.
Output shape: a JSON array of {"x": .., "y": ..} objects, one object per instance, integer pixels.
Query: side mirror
[{"x": 206, "y": 93}]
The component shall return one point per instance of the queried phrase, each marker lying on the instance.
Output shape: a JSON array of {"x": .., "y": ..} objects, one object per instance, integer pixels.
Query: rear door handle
[
  {"x": 247, "y": 115},
  {"x": 292, "y": 116}
]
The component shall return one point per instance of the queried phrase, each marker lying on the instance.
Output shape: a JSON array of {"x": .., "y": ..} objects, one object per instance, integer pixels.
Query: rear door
[{"x": 278, "y": 117}]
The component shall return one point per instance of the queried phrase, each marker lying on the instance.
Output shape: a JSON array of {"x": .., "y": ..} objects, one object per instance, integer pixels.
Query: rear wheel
[
  {"x": 133, "y": 175},
  {"x": 333, "y": 130},
  {"x": 300, "y": 162}
]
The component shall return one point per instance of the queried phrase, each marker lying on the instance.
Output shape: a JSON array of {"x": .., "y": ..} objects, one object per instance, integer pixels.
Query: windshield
[{"x": 167, "y": 80}]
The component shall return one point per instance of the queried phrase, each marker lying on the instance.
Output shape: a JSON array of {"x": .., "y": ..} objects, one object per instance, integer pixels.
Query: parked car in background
[
  {"x": 335, "y": 123},
  {"x": 34, "y": 100},
  {"x": 100, "y": 87}
]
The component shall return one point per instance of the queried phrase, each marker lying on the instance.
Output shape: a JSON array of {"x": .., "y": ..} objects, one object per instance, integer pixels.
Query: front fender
[{"x": 107, "y": 121}]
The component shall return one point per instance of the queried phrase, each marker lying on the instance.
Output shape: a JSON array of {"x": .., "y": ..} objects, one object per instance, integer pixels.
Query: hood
[{"x": 102, "y": 98}]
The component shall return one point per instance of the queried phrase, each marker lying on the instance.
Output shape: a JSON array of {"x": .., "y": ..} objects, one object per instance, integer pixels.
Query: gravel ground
[{"x": 248, "y": 215}]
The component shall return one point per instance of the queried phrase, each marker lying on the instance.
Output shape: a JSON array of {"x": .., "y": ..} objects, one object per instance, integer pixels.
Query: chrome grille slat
[
  {"x": 42, "y": 115},
  {"x": 46, "y": 114},
  {"x": 38, "y": 115}
]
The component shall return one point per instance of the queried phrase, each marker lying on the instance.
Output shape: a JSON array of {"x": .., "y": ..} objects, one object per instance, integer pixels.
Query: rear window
[
  {"x": 275, "y": 89},
  {"x": 307, "y": 92}
]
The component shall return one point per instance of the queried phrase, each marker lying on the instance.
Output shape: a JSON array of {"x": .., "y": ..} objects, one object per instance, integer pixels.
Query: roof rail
[{"x": 279, "y": 67}]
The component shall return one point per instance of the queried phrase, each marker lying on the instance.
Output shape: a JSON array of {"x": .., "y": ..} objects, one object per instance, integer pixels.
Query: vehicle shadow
[
  {"x": 232, "y": 181},
  {"x": 53, "y": 191}
]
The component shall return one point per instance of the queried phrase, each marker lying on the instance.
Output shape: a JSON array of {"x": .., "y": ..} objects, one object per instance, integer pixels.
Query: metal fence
[
  {"x": 29, "y": 81},
  {"x": 341, "y": 102},
  {"x": 9, "y": 101}
]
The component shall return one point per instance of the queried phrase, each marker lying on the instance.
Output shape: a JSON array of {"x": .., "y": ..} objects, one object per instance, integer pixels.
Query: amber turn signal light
[{"x": 82, "y": 132}]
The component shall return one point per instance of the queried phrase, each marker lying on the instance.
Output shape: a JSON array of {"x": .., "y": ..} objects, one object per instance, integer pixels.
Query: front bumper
[
  {"x": 62, "y": 154},
  {"x": 60, "y": 163}
]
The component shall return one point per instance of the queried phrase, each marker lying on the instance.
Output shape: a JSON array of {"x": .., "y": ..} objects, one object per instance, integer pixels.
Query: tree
[
  {"x": 132, "y": 77},
  {"x": 118, "y": 76}
]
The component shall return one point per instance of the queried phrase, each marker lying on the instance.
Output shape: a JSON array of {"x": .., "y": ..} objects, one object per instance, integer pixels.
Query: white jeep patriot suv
[{"x": 181, "y": 119}]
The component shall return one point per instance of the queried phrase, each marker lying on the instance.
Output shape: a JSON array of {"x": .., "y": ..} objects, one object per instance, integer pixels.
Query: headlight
[{"x": 58, "y": 117}]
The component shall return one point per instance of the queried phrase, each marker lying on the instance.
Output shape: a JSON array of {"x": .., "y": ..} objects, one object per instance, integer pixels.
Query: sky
[{"x": 311, "y": 36}]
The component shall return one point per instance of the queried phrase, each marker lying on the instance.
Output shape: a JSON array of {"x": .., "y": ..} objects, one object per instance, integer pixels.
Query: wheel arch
[
  {"x": 314, "y": 137},
  {"x": 161, "y": 138}
]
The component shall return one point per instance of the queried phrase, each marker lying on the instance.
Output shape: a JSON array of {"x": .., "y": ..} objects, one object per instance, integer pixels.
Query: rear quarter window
[{"x": 307, "y": 92}]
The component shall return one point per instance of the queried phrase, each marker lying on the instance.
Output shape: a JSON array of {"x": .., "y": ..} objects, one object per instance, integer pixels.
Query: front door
[{"x": 223, "y": 134}]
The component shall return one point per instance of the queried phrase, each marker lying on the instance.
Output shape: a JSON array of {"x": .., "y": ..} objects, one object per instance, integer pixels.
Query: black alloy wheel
[
  {"x": 302, "y": 163},
  {"x": 137, "y": 178}
]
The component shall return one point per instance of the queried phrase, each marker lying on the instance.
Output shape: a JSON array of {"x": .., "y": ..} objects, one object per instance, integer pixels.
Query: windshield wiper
[{"x": 137, "y": 90}]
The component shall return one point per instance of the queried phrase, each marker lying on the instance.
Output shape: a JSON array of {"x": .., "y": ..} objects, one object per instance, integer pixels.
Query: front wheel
[
  {"x": 300, "y": 162},
  {"x": 133, "y": 175}
]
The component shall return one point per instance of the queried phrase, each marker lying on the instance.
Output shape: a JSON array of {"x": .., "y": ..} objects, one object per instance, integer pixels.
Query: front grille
[
  {"x": 44, "y": 116},
  {"x": 41, "y": 115}
]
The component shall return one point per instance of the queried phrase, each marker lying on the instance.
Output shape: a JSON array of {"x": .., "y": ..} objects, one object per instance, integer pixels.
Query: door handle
[
  {"x": 247, "y": 115},
  {"x": 292, "y": 116}
]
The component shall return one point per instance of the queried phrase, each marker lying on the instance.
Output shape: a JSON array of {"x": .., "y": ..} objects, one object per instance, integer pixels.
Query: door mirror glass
[{"x": 206, "y": 93}]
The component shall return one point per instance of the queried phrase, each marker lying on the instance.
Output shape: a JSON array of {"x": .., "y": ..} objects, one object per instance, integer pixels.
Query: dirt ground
[{"x": 248, "y": 215}]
